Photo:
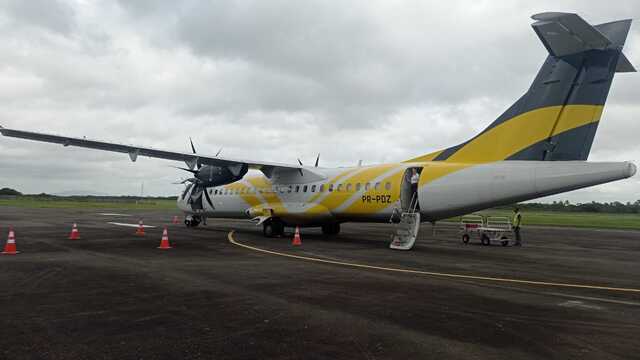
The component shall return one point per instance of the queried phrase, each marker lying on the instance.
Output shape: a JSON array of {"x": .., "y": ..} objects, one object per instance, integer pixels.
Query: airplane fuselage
[{"x": 377, "y": 193}]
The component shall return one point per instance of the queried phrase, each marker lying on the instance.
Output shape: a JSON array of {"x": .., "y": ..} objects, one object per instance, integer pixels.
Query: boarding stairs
[{"x": 406, "y": 231}]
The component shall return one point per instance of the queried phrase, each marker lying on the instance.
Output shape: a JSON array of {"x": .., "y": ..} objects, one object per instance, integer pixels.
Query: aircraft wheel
[
  {"x": 485, "y": 240},
  {"x": 465, "y": 238},
  {"x": 269, "y": 229}
]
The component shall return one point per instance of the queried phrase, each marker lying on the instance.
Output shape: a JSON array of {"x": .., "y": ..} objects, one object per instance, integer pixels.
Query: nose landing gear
[{"x": 192, "y": 220}]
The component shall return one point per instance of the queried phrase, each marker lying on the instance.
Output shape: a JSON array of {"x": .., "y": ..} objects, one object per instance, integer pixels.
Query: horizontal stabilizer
[
  {"x": 565, "y": 34},
  {"x": 624, "y": 65}
]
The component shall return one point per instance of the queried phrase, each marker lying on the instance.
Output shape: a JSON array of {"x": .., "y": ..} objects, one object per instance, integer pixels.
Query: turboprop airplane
[{"x": 537, "y": 147}]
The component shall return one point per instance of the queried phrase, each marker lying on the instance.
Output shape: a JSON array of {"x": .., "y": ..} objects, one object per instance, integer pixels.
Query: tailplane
[{"x": 557, "y": 118}]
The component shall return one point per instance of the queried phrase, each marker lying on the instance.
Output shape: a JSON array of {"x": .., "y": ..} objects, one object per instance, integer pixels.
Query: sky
[{"x": 376, "y": 81}]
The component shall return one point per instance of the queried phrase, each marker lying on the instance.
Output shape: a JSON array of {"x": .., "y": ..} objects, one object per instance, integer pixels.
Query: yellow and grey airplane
[{"x": 537, "y": 147}]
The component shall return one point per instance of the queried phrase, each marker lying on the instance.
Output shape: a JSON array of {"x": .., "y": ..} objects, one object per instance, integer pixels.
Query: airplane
[{"x": 537, "y": 147}]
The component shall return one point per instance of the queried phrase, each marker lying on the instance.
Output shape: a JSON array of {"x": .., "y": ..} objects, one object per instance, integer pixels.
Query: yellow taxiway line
[{"x": 431, "y": 273}]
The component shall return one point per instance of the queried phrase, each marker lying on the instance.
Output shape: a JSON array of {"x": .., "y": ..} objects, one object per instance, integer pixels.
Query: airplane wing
[{"x": 134, "y": 151}]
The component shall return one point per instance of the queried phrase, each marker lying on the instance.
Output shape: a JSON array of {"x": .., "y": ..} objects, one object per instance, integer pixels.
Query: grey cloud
[
  {"x": 371, "y": 80},
  {"x": 52, "y": 15}
]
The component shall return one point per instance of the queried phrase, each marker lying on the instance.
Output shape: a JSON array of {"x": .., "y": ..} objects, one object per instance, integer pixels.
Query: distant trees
[
  {"x": 615, "y": 207},
  {"x": 9, "y": 191}
]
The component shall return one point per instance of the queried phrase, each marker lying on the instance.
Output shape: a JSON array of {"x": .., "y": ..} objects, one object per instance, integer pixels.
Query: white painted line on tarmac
[
  {"x": 623, "y": 302},
  {"x": 431, "y": 273},
  {"x": 130, "y": 225},
  {"x": 113, "y": 214}
]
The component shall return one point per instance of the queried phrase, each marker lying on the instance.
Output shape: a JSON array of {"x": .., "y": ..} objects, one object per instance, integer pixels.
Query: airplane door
[{"x": 409, "y": 190}]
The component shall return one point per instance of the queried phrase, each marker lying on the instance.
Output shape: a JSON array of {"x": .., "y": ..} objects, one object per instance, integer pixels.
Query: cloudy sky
[{"x": 276, "y": 80}]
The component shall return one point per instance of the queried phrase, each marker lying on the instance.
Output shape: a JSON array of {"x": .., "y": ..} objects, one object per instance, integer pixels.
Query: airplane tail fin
[{"x": 557, "y": 118}]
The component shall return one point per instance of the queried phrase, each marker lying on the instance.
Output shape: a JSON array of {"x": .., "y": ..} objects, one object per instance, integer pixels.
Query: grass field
[
  {"x": 34, "y": 202},
  {"x": 549, "y": 218},
  {"x": 572, "y": 219}
]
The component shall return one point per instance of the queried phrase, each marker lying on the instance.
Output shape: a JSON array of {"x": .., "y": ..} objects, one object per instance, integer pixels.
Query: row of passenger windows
[{"x": 348, "y": 187}]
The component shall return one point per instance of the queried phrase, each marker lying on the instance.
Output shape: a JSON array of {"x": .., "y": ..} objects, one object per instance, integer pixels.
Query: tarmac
[{"x": 225, "y": 292}]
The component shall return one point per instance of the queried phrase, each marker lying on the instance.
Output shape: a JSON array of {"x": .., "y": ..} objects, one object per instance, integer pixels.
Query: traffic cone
[
  {"x": 140, "y": 231},
  {"x": 164, "y": 243},
  {"x": 175, "y": 219},
  {"x": 296, "y": 238},
  {"x": 75, "y": 234},
  {"x": 10, "y": 246}
]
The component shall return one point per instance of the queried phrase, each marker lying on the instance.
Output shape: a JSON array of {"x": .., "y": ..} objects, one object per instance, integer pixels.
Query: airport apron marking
[{"x": 431, "y": 273}]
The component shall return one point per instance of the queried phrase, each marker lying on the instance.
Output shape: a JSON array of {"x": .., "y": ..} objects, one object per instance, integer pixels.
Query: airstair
[{"x": 406, "y": 231}]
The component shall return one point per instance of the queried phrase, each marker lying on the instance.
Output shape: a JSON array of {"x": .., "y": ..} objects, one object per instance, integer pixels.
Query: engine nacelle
[{"x": 211, "y": 175}]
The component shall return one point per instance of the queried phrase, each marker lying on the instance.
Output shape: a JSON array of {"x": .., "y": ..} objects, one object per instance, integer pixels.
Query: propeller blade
[
  {"x": 300, "y": 162},
  {"x": 206, "y": 196},
  {"x": 317, "y": 159},
  {"x": 218, "y": 153},
  {"x": 193, "y": 148},
  {"x": 185, "y": 169},
  {"x": 191, "y": 180}
]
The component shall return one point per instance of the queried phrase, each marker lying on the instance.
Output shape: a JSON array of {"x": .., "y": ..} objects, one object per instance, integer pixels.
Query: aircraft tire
[{"x": 269, "y": 229}]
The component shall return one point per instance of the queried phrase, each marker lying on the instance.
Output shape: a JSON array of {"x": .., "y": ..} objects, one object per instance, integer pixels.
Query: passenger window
[
  {"x": 304, "y": 188},
  {"x": 339, "y": 187},
  {"x": 330, "y": 187},
  {"x": 366, "y": 187},
  {"x": 313, "y": 188},
  {"x": 349, "y": 187},
  {"x": 377, "y": 187},
  {"x": 297, "y": 188},
  {"x": 290, "y": 189},
  {"x": 321, "y": 187},
  {"x": 387, "y": 186},
  {"x": 358, "y": 187}
]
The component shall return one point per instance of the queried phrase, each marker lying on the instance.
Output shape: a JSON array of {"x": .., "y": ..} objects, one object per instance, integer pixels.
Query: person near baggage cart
[{"x": 517, "y": 220}]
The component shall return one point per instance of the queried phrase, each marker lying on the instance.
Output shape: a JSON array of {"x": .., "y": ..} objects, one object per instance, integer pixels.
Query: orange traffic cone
[
  {"x": 140, "y": 231},
  {"x": 164, "y": 243},
  {"x": 296, "y": 238},
  {"x": 175, "y": 219},
  {"x": 75, "y": 234},
  {"x": 10, "y": 246}
]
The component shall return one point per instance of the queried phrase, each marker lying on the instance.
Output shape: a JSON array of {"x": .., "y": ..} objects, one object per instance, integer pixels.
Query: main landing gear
[{"x": 273, "y": 228}]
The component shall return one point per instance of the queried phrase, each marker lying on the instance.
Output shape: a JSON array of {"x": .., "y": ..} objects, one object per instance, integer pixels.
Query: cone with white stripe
[
  {"x": 296, "y": 238},
  {"x": 10, "y": 246},
  {"x": 75, "y": 234},
  {"x": 164, "y": 243},
  {"x": 140, "y": 230}
]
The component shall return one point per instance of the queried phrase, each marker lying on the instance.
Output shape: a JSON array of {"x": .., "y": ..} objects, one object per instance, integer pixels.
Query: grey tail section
[{"x": 579, "y": 70}]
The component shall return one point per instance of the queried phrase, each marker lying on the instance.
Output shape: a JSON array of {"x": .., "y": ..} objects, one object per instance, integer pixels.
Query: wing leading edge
[{"x": 134, "y": 151}]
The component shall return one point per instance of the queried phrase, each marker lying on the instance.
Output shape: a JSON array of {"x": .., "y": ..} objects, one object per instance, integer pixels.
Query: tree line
[{"x": 614, "y": 207}]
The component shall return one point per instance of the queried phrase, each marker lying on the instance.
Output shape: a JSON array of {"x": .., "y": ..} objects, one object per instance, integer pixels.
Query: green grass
[
  {"x": 35, "y": 202},
  {"x": 571, "y": 219},
  {"x": 548, "y": 218}
]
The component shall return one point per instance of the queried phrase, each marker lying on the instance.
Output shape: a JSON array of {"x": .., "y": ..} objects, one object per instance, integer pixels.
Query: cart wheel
[
  {"x": 505, "y": 241},
  {"x": 465, "y": 238},
  {"x": 484, "y": 240}
]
